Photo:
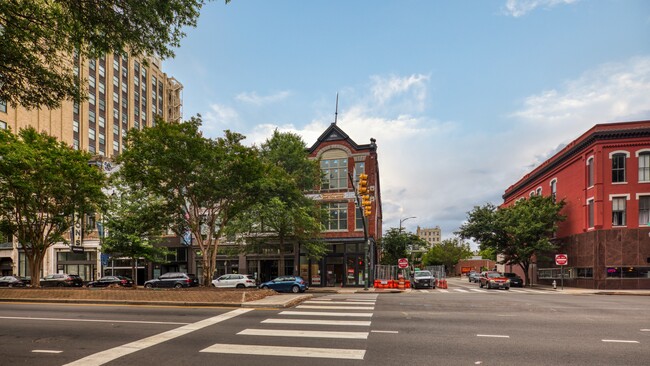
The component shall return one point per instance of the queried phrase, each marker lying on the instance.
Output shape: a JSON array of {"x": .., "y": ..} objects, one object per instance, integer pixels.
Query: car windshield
[
  {"x": 422, "y": 274},
  {"x": 494, "y": 275},
  {"x": 510, "y": 275}
]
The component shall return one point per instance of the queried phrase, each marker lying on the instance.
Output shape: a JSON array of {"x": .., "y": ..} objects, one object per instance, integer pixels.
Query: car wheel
[
  {"x": 489, "y": 287},
  {"x": 61, "y": 284},
  {"x": 295, "y": 289},
  {"x": 178, "y": 285},
  {"x": 265, "y": 287},
  {"x": 148, "y": 285},
  {"x": 239, "y": 285},
  {"x": 10, "y": 285},
  {"x": 507, "y": 288},
  {"x": 481, "y": 284}
]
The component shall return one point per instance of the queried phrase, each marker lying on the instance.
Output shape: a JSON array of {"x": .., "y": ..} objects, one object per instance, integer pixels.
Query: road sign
[
  {"x": 561, "y": 259},
  {"x": 403, "y": 262}
]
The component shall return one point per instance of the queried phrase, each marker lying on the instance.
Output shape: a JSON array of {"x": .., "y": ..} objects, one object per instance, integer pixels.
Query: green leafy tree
[
  {"x": 284, "y": 215},
  {"x": 39, "y": 37},
  {"x": 206, "y": 183},
  {"x": 395, "y": 244},
  {"x": 134, "y": 223},
  {"x": 488, "y": 253},
  {"x": 447, "y": 253},
  {"x": 520, "y": 233},
  {"x": 43, "y": 184}
]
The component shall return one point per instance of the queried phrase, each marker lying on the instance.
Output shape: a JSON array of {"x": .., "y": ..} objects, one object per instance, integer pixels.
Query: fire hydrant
[{"x": 554, "y": 285}]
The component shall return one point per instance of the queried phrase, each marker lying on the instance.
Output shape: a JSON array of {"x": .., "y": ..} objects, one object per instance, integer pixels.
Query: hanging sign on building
[{"x": 77, "y": 235}]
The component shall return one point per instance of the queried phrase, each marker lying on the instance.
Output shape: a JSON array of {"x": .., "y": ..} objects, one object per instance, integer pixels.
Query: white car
[{"x": 235, "y": 280}]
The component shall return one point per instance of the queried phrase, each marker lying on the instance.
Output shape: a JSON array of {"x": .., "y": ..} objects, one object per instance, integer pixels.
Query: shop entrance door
[
  {"x": 334, "y": 272},
  {"x": 354, "y": 270}
]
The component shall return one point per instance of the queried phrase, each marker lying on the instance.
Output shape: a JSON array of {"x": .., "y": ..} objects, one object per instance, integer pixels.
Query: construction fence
[{"x": 391, "y": 276}]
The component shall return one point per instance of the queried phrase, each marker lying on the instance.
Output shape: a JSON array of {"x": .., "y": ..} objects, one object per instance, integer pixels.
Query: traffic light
[
  {"x": 366, "y": 204},
  {"x": 362, "y": 188}
]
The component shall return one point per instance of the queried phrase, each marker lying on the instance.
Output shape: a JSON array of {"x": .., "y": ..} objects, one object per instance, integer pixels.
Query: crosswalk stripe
[
  {"x": 335, "y": 307},
  {"x": 460, "y": 290},
  {"x": 338, "y": 302},
  {"x": 247, "y": 349},
  {"x": 325, "y": 313},
  {"x": 444, "y": 291},
  {"x": 304, "y": 333},
  {"x": 477, "y": 290},
  {"x": 361, "y": 323}
]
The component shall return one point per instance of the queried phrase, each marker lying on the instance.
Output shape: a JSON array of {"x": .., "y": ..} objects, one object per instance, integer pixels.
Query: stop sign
[
  {"x": 561, "y": 259},
  {"x": 403, "y": 262}
]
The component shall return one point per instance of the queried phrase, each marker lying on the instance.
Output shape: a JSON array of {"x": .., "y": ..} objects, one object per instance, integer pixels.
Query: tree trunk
[
  {"x": 134, "y": 272},
  {"x": 281, "y": 261},
  {"x": 296, "y": 259},
  {"x": 525, "y": 266},
  {"x": 35, "y": 269}
]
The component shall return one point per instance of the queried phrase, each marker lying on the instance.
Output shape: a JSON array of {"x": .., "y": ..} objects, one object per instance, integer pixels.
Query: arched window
[
  {"x": 618, "y": 166},
  {"x": 590, "y": 172},
  {"x": 334, "y": 165}
]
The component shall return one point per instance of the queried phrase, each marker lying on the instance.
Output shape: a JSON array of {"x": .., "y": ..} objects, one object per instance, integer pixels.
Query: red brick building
[
  {"x": 604, "y": 177},
  {"x": 340, "y": 157}
]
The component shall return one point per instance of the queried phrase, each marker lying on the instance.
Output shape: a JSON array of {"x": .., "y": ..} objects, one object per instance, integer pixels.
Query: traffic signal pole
[{"x": 366, "y": 213}]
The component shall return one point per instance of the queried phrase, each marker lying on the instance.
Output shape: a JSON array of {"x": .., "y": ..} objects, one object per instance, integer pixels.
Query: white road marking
[
  {"x": 91, "y": 320},
  {"x": 361, "y": 323},
  {"x": 303, "y": 333},
  {"x": 247, "y": 349},
  {"x": 335, "y": 307},
  {"x": 109, "y": 355},
  {"x": 645, "y": 330},
  {"x": 324, "y": 313},
  {"x": 338, "y": 302},
  {"x": 444, "y": 291},
  {"x": 384, "y": 331},
  {"x": 493, "y": 335},
  {"x": 45, "y": 351},
  {"x": 477, "y": 290},
  {"x": 460, "y": 290},
  {"x": 618, "y": 341}
]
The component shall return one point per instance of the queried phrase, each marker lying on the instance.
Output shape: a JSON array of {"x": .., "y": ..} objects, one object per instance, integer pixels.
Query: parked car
[
  {"x": 235, "y": 280},
  {"x": 173, "y": 279},
  {"x": 293, "y": 284},
  {"x": 62, "y": 280},
  {"x": 494, "y": 279},
  {"x": 15, "y": 281},
  {"x": 423, "y": 279},
  {"x": 515, "y": 280},
  {"x": 473, "y": 276},
  {"x": 111, "y": 281}
]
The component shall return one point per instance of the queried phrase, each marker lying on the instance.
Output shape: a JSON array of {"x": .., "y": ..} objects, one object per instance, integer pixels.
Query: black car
[
  {"x": 107, "y": 281},
  {"x": 515, "y": 280},
  {"x": 173, "y": 279},
  {"x": 62, "y": 280},
  {"x": 15, "y": 281}
]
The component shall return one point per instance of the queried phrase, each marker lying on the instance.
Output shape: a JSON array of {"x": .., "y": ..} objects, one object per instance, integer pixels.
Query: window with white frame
[
  {"x": 3, "y": 125},
  {"x": 337, "y": 216},
  {"x": 538, "y": 192},
  {"x": 590, "y": 172},
  {"x": 618, "y": 211},
  {"x": 335, "y": 173},
  {"x": 590, "y": 213},
  {"x": 618, "y": 167},
  {"x": 554, "y": 190},
  {"x": 91, "y": 99},
  {"x": 91, "y": 81},
  {"x": 644, "y": 166},
  {"x": 644, "y": 210},
  {"x": 91, "y": 134},
  {"x": 3, "y": 106}
]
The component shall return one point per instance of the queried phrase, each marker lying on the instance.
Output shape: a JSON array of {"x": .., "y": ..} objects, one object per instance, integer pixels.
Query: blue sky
[{"x": 463, "y": 97}]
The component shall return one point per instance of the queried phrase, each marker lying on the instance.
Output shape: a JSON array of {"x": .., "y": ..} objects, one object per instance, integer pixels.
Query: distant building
[
  {"x": 123, "y": 93},
  {"x": 604, "y": 177},
  {"x": 431, "y": 235}
]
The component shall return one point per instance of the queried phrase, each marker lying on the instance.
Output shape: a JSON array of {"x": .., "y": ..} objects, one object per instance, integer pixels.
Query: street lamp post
[{"x": 402, "y": 220}]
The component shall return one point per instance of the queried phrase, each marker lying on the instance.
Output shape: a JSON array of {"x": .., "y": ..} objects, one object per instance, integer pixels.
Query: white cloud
[
  {"x": 384, "y": 89},
  {"x": 518, "y": 8},
  {"x": 218, "y": 118},
  {"x": 258, "y": 100}
]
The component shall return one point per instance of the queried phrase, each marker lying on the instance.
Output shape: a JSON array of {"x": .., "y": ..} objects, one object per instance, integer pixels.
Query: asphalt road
[{"x": 495, "y": 327}]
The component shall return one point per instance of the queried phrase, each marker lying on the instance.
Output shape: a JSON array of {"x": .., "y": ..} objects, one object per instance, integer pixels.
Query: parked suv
[
  {"x": 62, "y": 280},
  {"x": 235, "y": 280},
  {"x": 173, "y": 279},
  {"x": 423, "y": 279}
]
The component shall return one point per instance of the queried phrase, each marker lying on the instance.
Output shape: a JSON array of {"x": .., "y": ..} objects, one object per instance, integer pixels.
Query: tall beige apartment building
[
  {"x": 431, "y": 235},
  {"x": 123, "y": 93}
]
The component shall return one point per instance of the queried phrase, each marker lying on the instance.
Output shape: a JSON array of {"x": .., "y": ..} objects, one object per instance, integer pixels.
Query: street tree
[
  {"x": 43, "y": 185},
  {"x": 134, "y": 222},
  {"x": 521, "y": 232},
  {"x": 395, "y": 244},
  {"x": 39, "y": 38},
  {"x": 206, "y": 183},
  {"x": 447, "y": 253}
]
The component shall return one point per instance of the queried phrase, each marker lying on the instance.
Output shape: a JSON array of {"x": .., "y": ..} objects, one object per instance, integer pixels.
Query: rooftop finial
[{"x": 336, "y": 113}]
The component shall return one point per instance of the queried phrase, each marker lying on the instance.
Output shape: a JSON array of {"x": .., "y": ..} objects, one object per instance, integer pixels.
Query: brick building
[{"x": 604, "y": 177}]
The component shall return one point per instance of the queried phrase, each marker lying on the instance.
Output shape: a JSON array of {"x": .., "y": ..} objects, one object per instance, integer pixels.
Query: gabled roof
[{"x": 335, "y": 133}]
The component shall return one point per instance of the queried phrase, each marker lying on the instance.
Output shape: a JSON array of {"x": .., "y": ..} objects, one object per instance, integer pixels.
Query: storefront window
[{"x": 628, "y": 272}]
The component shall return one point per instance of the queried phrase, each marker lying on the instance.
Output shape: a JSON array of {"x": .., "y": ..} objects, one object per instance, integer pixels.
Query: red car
[{"x": 493, "y": 279}]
